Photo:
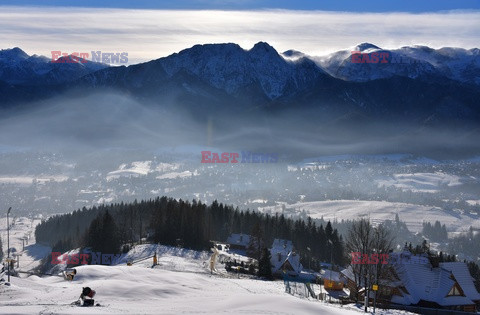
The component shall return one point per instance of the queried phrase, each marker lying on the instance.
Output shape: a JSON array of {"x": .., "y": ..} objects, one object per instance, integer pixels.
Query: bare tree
[{"x": 370, "y": 244}]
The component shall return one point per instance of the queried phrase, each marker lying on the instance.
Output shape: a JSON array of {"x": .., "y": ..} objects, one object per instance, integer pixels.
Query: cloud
[{"x": 150, "y": 34}]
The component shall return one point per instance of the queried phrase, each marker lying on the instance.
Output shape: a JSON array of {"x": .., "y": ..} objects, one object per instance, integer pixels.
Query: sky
[
  {"x": 323, "y": 5},
  {"x": 149, "y": 30}
]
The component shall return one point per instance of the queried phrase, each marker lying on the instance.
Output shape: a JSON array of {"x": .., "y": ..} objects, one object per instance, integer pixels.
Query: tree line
[
  {"x": 192, "y": 225},
  {"x": 435, "y": 232}
]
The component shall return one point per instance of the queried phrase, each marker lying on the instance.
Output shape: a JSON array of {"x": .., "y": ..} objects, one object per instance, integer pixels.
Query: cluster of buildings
[
  {"x": 419, "y": 280},
  {"x": 407, "y": 280},
  {"x": 284, "y": 259}
]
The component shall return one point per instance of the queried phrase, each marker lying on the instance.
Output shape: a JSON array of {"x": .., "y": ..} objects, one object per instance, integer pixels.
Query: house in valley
[
  {"x": 284, "y": 260},
  {"x": 238, "y": 243},
  {"x": 462, "y": 276},
  {"x": 413, "y": 280}
]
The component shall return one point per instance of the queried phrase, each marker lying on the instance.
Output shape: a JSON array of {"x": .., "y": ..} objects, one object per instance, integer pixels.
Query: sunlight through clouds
[{"x": 150, "y": 34}]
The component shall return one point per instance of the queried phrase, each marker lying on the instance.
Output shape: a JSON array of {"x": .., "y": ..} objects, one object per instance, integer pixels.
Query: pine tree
[
  {"x": 102, "y": 235},
  {"x": 255, "y": 245},
  {"x": 264, "y": 265},
  {"x": 329, "y": 231},
  {"x": 425, "y": 247}
]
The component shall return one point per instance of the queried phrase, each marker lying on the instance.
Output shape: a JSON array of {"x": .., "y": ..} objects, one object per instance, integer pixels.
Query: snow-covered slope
[
  {"x": 379, "y": 211},
  {"x": 410, "y": 61},
  {"x": 23, "y": 228},
  {"x": 139, "y": 289},
  {"x": 142, "y": 168},
  {"x": 455, "y": 63},
  {"x": 421, "y": 182}
]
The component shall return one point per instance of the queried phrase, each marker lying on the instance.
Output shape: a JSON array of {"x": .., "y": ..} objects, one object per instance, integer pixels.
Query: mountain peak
[
  {"x": 292, "y": 53},
  {"x": 215, "y": 46},
  {"x": 263, "y": 47},
  {"x": 13, "y": 53},
  {"x": 366, "y": 46}
]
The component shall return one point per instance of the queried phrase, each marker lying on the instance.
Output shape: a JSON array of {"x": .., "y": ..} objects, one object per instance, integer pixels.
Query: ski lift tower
[{"x": 16, "y": 259}]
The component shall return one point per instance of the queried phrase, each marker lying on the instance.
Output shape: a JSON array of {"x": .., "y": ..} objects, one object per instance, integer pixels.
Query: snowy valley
[{"x": 239, "y": 176}]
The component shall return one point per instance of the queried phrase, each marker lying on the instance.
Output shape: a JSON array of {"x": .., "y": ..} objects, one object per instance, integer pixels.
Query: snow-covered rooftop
[
  {"x": 423, "y": 281},
  {"x": 331, "y": 275},
  {"x": 284, "y": 257},
  {"x": 280, "y": 245},
  {"x": 239, "y": 239},
  {"x": 463, "y": 277}
]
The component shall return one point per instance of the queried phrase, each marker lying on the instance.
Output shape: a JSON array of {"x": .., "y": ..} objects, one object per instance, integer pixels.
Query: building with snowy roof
[
  {"x": 332, "y": 280},
  {"x": 284, "y": 260},
  {"x": 238, "y": 243},
  {"x": 461, "y": 274},
  {"x": 413, "y": 280}
]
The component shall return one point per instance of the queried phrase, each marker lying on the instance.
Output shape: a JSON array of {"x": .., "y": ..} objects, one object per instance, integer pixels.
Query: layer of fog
[
  {"x": 113, "y": 121},
  {"x": 75, "y": 151}
]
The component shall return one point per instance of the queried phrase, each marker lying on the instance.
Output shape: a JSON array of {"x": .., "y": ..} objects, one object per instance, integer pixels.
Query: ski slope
[
  {"x": 179, "y": 284},
  {"x": 141, "y": 290},
  {"x": 23, "y": 227}
]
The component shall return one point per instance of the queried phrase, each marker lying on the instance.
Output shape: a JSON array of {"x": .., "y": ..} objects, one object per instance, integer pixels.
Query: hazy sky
[
  {"x": 326, "y": 5},
  {"x": 147, "y": 34}
]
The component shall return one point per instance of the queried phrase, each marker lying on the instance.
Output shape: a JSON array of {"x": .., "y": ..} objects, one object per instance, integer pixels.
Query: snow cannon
[
  {"x": 69, "y": 274},
  {"x": 87, "y": 296}
]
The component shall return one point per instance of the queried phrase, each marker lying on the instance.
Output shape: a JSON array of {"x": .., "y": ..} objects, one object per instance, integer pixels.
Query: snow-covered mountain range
[
  {"x": 230, "y": 67},
  {"x": 415, "y": 83},
  {"x": 410, "y": 61},
  {"x": 18, "y": 68}
]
